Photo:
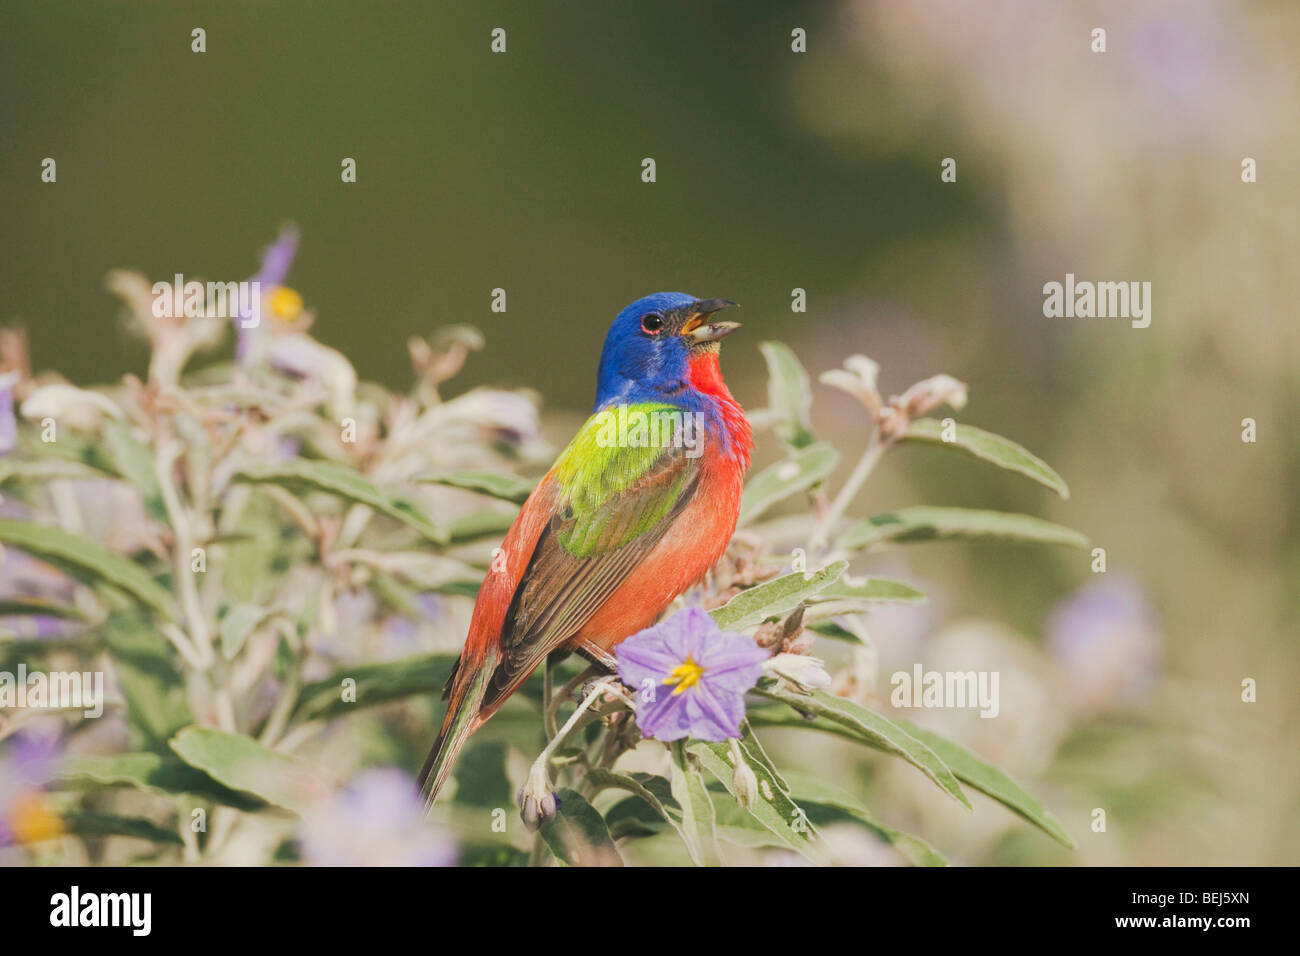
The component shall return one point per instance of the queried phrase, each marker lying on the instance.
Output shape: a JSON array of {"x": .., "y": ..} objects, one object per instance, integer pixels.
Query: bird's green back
[{"x": 618, "y": 480}]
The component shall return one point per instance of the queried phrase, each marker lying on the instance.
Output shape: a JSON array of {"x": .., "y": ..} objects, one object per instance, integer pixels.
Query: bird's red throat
[{"x": 706, "y": 377}]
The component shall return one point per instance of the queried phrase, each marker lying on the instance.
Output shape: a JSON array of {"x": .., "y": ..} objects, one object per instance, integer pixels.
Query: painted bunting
[{"x": 638, "y": 507}]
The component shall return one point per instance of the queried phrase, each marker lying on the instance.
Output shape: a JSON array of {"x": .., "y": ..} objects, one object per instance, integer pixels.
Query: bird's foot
[{"x": 602, "y": 689}]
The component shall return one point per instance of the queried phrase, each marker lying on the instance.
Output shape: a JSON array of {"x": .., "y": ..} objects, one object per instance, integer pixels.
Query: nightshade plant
[{"x": 252, "y": 550}]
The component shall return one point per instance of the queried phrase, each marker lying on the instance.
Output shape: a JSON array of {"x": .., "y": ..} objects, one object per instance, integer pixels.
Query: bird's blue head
[{"x": 653, "y": 345}]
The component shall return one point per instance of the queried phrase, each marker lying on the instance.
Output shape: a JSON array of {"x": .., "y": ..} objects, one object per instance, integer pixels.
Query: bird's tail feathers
[{"x": 460, "y": 721}]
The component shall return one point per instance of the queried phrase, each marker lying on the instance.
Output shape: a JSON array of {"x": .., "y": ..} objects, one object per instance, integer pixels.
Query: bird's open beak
[{"x": 698, "y": 329}]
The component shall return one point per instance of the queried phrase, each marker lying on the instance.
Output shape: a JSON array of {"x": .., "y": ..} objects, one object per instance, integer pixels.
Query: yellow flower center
[
  {"x": 685, "y": 675},
  {"x": 286, "y": 304},
  {"x": 32, "y": 821}
]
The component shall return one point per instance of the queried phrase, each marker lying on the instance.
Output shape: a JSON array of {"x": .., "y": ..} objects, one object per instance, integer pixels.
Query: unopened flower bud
[
  {"x": 744, "y": 782},
  {"x": 807, "y": 674},
  {"x": 858, "y": 378},
  {"x": 538, "y": 802},
  {"x": 928, "y": 395}
]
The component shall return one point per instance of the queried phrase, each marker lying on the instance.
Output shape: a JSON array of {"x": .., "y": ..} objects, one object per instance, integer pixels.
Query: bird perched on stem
[{"x": 638, "y": 507}]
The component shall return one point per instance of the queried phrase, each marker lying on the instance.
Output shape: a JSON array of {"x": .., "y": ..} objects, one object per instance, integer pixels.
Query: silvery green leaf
[
  {"x": 773, "y": 808},
  {"x": 577, "y": 835},
  {"x": 333, "y": 478},
  {"x": 872, "y": 591},
  {"x": 991, "y": 781},
  {"x": 789, "y": 394},
  {"x": 133, "y": 460},
  {"x": 84, "y": 558},
  {"x": 86, "y": 823},
  {"x": 932, "y": 524},
  {"x": 698, "y": 824},
  {"x": 754, "y": 747},
  {"x": 838, "y": 632},
  {"x": 964, "y": 765},
  {"x": 480, "y": 524},
  {"x": 803, "y": 469},
  {"x": 775, "y": 597},
  {"x": 46, "y": 469},
  {"x": 241, "y": 763},
  {"x": 151, "y": 684},
  {"x": 879, "y": 731},
  {"x": 26, "y": 606},
  {"x": 374, "y": 684},
  {"x": 506, "y": 487},
  {"x": 814, "y": 792},
  {"x": 601, "y": 779},
  {"x": 239, "y": 621},
  {"x": 989, "y": 447},
  {"x": 162, "y": 773}
]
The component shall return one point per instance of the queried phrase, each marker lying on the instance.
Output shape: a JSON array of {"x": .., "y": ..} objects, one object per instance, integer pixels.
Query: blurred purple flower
[
  {"x": 32, "y": 759},
  {"x": 400, "y": 631},
  {"x": 354, "y": 609},
  {"x": 378, "y": 820},
  {"x": 28, "y": 762},
  {"x": 285, "y": 448},
  {"x": 8, "y": 424},
  {"x": 1185, "y": 61},
  {"x": 39, "y": 626},
  {"x": 277, "y": 259},
  {"x": 24, "y": 578},
  {"x": 1107, "y": 640},
  {"x": 709, "y": 671}
]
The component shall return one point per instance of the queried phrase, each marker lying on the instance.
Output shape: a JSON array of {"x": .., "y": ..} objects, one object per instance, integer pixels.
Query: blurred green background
[
  {"x": 779, "y": 170},
  {"x": 475, "y": 171}
]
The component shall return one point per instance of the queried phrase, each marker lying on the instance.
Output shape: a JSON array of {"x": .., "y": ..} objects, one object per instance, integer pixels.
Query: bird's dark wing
[{"x": 610, "y": 517}]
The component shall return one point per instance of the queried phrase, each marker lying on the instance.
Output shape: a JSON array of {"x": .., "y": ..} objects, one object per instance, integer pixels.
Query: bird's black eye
[{"x": 652, "y": 323}]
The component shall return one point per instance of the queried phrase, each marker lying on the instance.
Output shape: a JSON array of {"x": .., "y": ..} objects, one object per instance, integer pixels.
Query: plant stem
[
  {"x": 182, "y": 644},
  {"x": 279, "y": 718},
  {"x": 557, "y": 700},
  {"x": 866, "y": 464},
  {"x": 354, "y": 523},
  {"x": 538, "y": 856},
  {"x": 196, "y": 623},
  {"x": 548, "y": 692}
]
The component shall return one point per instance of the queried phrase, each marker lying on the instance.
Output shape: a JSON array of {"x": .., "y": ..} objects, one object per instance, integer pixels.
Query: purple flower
[
  {"x": 400, "y": 632},
  {"x": 8, "y": 424},
  {"x": 690, "y": 677},
  {"x": 26, "y": 579},
  {"x": 278, "y": 257},
  {"x": 1107, "y": 640},
  {"x": 27, "y": 762},
  {"x": 33, "y": 758},
  {"x": 276, "y": 260},
  {"x": 377, "y": 821}
]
